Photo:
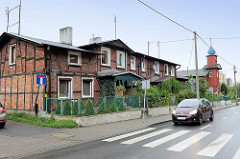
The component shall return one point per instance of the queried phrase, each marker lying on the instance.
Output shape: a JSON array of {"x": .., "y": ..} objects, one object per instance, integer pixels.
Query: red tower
[{"x": 213, "y": 76}]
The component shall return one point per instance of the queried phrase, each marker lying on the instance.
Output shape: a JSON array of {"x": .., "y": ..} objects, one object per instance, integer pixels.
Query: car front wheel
[
  {"x": 2, "y": 125},
  {"x": 200, "y": 120},
  {"x": 212, "y": 117}
]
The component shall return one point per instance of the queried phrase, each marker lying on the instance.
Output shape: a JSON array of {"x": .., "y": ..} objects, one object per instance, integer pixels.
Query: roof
[
  {"x": 44, "y": 42},
  {"x": 157, "y": 79},
  {"x": 164, "y": 61},
  {"x": 217, "y": 66},
  {"x": 184, "y": 73},
  {"x": 114, "y": 73},
  {"x": 117, "y": 43}
]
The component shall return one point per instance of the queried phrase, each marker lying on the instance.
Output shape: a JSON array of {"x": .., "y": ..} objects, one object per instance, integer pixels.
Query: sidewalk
[{"x": 16, "y": 147}]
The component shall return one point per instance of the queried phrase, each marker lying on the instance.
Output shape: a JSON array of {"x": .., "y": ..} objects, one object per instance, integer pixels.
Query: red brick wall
[
  {"x": 214, "y": 80},
  {"x": 211, "y": 60},
  {"x": 17, "y": 86}
]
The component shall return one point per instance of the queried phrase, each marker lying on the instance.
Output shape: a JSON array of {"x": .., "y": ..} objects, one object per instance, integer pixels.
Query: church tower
[{"x": 213, "y": 76}]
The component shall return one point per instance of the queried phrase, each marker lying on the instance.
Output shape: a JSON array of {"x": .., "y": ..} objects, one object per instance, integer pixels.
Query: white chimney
[
  {"x": 66, "y": 35},
  {"x": 95, "y": 40}
]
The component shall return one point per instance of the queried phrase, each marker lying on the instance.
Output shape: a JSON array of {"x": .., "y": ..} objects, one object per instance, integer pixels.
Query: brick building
[{"x": 72, "y": 72}]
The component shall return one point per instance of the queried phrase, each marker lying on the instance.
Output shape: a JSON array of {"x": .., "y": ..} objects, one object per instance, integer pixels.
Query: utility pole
[
  {"x": 196, "y": 62},
  {"x": 19, "y": 17},
  {"x": 148, "y": 47},
  {"x": 235, "y": 84},
  {"x": 158, "y": 44},
  {"x": 115, "y": 22}
]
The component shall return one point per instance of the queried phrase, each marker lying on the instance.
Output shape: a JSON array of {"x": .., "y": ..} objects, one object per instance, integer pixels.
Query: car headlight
[
  {"x": 174, "y": 112},
  {"x": 193, "y": 112}
]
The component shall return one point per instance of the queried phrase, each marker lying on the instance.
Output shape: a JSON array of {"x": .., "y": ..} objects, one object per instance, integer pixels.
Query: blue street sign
[{"x": 41, "y": 79}]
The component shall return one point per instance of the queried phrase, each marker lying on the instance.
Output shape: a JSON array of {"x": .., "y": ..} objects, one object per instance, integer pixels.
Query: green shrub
[
  {"x": 112, "y": 108},
  {"x": 67, "y": 108},
  {"x": 208, "y": 96},
  {"x": 58, "y": 109},
  {"x": 82, "y": 108},
  {"x": 121, "y": 107},
  {"x": 89, "y": 108},
  {"x": 186, "y": 94},
  {"x": 101, "y": 108},
  {"x": 75, "y": 109}
]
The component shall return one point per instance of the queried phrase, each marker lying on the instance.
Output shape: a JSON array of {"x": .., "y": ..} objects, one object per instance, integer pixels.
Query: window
[
  {"x": 144, "y": 65},
  {"x": 166, "y": 69},
  {"x": 87, "y": 87},
  {"x": 156, "y": 67},
  {"x": 106, "y": 56},
  {"x": 172, "y": 71},
  {"x": 210, "y": 74},
  {"x": 64, "y": 87},
  {"x": 12, "y": 54},
  {"x": 74, "y": 58},
  {"x": 120, "y": 59},
  {"x": 133, "y": 63}
]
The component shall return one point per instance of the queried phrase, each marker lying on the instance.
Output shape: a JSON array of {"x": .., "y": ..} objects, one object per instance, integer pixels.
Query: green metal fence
[{"x": 78, "y": 105}]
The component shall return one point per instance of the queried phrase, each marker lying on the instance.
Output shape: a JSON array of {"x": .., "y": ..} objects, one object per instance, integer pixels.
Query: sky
[{"x": 137, "y": 24}]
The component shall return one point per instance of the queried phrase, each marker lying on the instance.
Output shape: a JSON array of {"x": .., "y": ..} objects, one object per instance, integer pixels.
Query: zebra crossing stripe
[
  {"x": 213, "y": 148},
  {"x": 166, "y": 139},
  {"x": 127, "y": 135},
  {"x": 144, "y": 137},
  {"x": 188, "y": 142},
  {"x": 237, "y": 154}
]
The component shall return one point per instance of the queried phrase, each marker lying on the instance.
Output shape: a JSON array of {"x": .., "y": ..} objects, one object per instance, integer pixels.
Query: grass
[{"x": 43, "y": 122}]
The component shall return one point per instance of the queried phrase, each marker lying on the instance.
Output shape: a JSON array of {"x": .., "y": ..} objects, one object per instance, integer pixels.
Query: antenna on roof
[
  {"x": 19, "y": 16},
  {"x": 115, "y": 23}
]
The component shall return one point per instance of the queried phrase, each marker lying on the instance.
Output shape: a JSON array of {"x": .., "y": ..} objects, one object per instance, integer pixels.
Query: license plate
[{"x": 181, "y": 118}]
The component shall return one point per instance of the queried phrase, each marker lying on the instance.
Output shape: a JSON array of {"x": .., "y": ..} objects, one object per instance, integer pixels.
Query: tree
[
  {"x": 203, "y": 86},
  {"x": 224, "y": 89}
]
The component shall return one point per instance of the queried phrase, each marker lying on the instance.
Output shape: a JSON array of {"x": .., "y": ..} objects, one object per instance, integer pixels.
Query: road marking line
[
  {"x": 237, "y": 154},
  {"x": 224, "y": 118},
  {"x": 141, "y": 138},
  {"x": 166, "y": 139},
  {"x": 127, "y": 135},
  {"x": 212, "y": 149},
  {"x": 205, "y": 127},
  {"x": 188, "y": 142}
]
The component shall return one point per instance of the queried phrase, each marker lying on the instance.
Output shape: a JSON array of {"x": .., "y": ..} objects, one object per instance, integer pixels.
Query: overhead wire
[
  {"x": 166, "y": 17},
  {"x": 190, "y": 55}
]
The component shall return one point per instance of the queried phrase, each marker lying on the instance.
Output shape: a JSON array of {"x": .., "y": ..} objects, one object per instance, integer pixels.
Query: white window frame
[
  {"x": 166, "y": 73},
  {"x": 156, "y": 67},
  {"x": 91, "y": 89},
  {"x": 172, "y": 71},
  {"x": 144, "y": 62},
  {"x": 10, "y": 54},
  {"x": 133, "y": 66},
  {"x": 210, "y": 74},
  {"x": 79, "y": 54},
  {"x": 123, "y": 59},
  {"x": 70, "y": 95},
  {"x": 109, "y": 56}
]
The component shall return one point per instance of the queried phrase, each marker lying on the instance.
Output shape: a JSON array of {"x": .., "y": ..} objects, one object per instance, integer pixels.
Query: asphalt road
[{"x": 218, "y": 139}]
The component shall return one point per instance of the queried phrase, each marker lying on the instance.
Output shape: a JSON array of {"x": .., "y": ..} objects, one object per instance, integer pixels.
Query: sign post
[
  {"x": 145, "y": 86},
  {"x": 40, "y": 80}
]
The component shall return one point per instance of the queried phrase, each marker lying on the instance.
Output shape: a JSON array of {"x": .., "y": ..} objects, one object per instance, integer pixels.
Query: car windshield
[{"x": 188, "y": 104}]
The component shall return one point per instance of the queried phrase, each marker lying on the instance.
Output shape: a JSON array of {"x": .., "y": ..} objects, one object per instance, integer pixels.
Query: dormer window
[
  {"x": 106, "y": 56},
  {"x": 156, "y": 67},
  {"x": 12, "y": 54},
  {"x": 74, "y": 58},
  {"x": 133, "y": 63}
]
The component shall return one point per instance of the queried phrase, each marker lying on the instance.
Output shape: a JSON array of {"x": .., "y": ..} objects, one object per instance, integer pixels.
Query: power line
[
  {"x": 166, "y": 17},
  {"x": 191, "y": 54},
  {"x": 216, "y": 53}
]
